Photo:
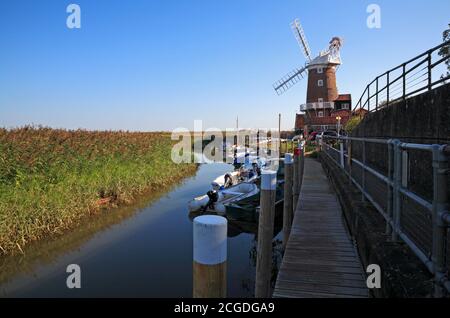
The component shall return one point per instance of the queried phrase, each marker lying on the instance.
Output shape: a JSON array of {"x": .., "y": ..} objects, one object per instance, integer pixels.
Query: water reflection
[
  {"x": 238, "y": 227},
  {"x": 46, "y": 252},
  {"x": 143, "y": 250}
]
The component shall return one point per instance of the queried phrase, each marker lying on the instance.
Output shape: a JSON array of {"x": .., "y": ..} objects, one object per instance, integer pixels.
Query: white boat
[
  {"x": 215, "y": 201},
  {"x": 233, "y": 178},
  {"x": 246, "y": 173},
  {"x": 225, "y": 180}
]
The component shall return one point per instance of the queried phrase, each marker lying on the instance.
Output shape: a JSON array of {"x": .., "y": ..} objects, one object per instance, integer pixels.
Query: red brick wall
[
  {"x": 329, "y": 89},
  {"x": 299, "y": 121},
  {"x": 329, "y": 117}
]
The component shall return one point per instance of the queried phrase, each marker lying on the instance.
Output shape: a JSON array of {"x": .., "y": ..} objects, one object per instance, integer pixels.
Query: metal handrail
[
  {"x": 406, "y": 68},
  {"x": 438, "y": 208}
]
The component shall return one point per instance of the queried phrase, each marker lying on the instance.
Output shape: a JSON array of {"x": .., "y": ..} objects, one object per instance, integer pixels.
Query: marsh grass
[{"x": 50, "y": 180}]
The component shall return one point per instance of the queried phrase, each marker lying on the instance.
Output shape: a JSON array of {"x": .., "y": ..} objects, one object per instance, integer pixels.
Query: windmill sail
[
  {"x": 289, "y": 80},
  {"x": 301, "y": 38}
]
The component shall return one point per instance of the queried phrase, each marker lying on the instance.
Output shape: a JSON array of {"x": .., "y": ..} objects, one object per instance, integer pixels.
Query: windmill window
[
  {"x": 320, "y": 114},
  {"x": 320, "y": 70},
  {"x": 320, "y": 83}
]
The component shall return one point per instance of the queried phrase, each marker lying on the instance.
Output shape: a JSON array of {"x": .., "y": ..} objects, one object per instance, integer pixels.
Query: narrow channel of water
[{"x": 143, "y": 251}]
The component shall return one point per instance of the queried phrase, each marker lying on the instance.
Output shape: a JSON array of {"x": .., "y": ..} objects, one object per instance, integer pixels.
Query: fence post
[
  {"x": 301, "y": 168},
  {"x": 210, "y": 257},
  {"x": 363, "y": 198},
  {"x": 265, "y": 234},
  {"x": 296, "y": 182},
  {"x": 440, "y": 206},
  {"x": 405, "y": 168},
  {"x": 287, "y": 205},
  {"x": 390, "y": 185},
  {"x": 341, "y": 153},
  {"x": 396, "y": 190},
  {"x": 404, "y": 81},
  {"x": 376, "y": 97},
  {"x": 387, "y": 89},
  {"x": 429, "y": 70},
  {"x": 349, "y": 160}
]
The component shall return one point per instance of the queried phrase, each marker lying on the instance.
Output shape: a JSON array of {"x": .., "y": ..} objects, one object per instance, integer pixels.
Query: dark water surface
[{"x": 140, "y": 251}]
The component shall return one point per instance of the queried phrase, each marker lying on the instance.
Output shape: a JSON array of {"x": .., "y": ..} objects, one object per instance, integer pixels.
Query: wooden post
[
  {"x": 296, "y": 181},
  {"x": 235, "y": 148},
  {"x": 287, "y": 207},
  {"x": 210, "y": 257},
  {"x": 265, "y": 234},
  {"x": 257, "y": 144},
  {"x": 224, "y": 148}
]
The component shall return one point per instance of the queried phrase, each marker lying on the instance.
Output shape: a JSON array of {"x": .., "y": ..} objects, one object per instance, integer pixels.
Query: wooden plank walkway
[{"x": 320, "y": 259}]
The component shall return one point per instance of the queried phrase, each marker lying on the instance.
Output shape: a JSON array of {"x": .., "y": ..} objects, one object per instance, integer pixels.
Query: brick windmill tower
[{"x": 324, "y": 109}]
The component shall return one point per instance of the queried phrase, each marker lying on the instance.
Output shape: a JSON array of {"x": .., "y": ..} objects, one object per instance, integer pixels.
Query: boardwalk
[{"x": 320, "y": 259}]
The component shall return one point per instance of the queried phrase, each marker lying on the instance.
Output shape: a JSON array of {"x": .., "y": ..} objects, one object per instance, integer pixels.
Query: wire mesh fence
[{"x": 407, "y": 184}]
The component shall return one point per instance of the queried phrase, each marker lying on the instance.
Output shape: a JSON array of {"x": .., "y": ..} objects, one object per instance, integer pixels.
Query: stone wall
[{"x": 424, "y": 118}]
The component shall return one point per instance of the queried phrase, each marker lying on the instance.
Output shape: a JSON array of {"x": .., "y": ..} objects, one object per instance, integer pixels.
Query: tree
[{"x": 445, "y": 50}]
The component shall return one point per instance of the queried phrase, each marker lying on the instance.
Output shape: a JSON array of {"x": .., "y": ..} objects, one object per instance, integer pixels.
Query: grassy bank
[{"x": 50, "y": 180}]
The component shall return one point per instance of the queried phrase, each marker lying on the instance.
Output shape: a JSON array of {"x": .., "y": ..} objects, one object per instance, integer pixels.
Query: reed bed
[{"x": 52, "y": 179}]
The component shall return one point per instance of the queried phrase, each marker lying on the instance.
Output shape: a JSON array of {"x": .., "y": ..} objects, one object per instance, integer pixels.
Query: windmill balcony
[{"x": 313, "y": 106}]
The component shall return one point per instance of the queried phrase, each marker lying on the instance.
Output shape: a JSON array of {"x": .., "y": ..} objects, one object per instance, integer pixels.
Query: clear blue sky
[{"x": 160, "y": 64}]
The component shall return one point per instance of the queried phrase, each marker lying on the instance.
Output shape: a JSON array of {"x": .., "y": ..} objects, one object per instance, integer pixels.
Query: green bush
[{"x": 352, "y": 123}]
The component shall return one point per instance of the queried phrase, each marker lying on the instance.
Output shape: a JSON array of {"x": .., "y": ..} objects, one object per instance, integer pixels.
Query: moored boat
[
  {"x": 225, "y": 180},
  {"x": 245, "y": 173},
  {"x": 214, "y": 201},
  {"x": 248, "y": 208}
]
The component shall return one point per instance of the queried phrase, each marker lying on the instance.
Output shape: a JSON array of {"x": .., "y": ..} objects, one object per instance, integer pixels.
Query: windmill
[
  {"x": 327, "y": 60},
  {"x": 323, "y": 103}
]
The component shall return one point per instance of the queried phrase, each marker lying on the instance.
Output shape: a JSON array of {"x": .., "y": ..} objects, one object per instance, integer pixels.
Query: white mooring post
[
  {"x": 297, "y": 171},
  {"x": 265, "y": 234},
  {"x": 287, "y": 207},
  {"x": 210, "y": 257},
  {"x": 301, "y": 168}
]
